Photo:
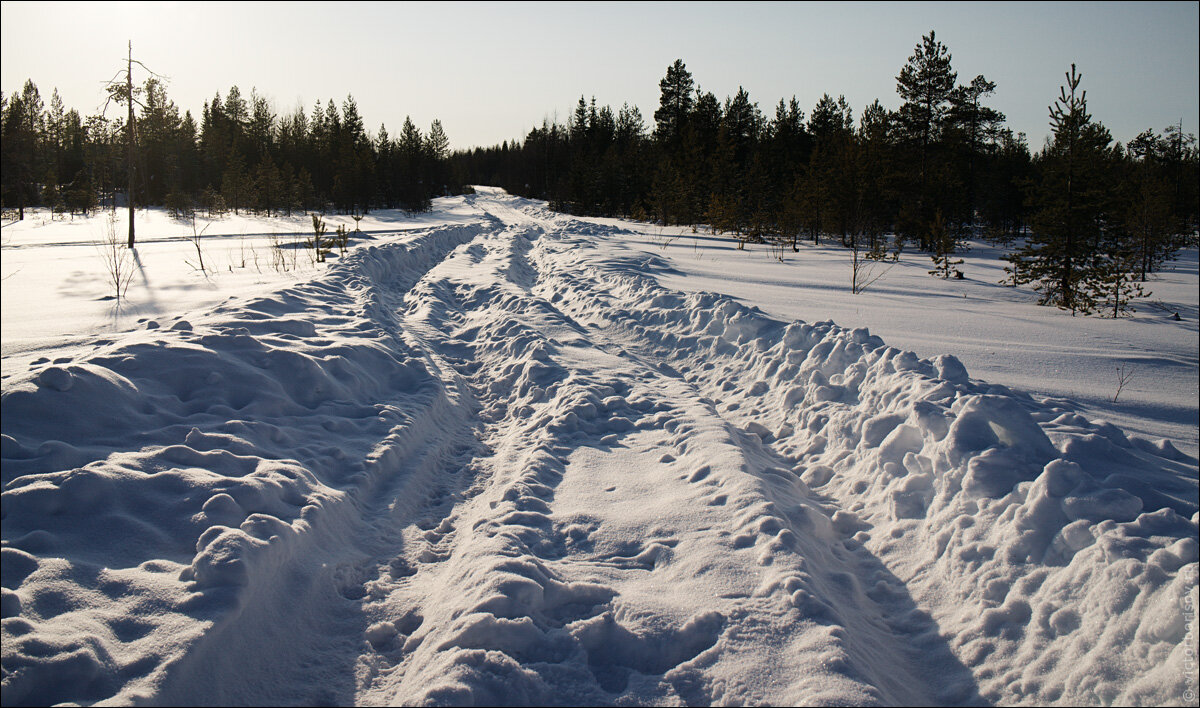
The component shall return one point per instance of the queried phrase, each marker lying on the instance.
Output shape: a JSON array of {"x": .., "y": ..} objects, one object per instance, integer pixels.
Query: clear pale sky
[{"x": 490, "y": 71}]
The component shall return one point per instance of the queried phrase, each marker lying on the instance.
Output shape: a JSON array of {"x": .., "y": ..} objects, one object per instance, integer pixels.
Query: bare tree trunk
[{"x": 129, "y": 102}]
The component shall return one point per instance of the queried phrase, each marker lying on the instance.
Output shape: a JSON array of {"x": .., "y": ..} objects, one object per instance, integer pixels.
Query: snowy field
[{"x": 497, "y": 455}]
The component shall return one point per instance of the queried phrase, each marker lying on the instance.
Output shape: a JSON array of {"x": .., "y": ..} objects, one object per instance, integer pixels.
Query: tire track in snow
[
  {"x": 886, "y": 629},
  {"x": 264, "y": 434},
  {"x": 422, "y": 467},
  {"x": 1002, "y": 516},
  {"x": 498, "y": 466},
  {"x": 582, "y": 557}
]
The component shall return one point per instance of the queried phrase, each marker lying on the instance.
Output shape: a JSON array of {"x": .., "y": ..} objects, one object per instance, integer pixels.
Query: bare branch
[
  {"x": 1124, "y": 374},
  {"x": 152, "y": 71}
]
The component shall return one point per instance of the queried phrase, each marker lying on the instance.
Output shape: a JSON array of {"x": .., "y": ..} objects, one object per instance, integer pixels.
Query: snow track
[{"x": 491, "y": 464}]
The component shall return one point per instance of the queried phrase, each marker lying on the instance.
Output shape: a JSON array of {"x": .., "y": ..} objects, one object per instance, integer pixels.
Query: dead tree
[{"x": 123, "y": 92}]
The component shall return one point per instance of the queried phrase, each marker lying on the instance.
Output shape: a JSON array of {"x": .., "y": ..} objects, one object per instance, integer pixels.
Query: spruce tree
[
  {"x": 437, "y": 149},
  {"x": 411, "y": 154}
]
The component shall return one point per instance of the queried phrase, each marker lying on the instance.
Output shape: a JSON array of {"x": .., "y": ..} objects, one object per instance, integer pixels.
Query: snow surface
[{"x": 497, "y": 455}]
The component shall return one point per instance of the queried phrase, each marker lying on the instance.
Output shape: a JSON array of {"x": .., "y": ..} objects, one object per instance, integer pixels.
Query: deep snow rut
[
  {"x": 494, "y": 464},
  {"x": 564, "y": 565}
]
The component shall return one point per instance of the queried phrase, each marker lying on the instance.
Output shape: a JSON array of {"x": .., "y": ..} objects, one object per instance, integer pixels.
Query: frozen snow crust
[{"x": 493, "y": 464}]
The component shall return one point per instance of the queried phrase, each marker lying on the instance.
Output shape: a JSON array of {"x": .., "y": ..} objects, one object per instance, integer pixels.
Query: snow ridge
[
  {"x": 216, "y": 454},
  {"x": 1026, "y": 522},
  {"x": 495, "y": 464}
]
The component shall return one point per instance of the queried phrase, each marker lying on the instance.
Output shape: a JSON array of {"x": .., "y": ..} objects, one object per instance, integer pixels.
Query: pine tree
[
  {"x": 789, "y": 143},
  {"x": 125, "y": 93},
  {"x": 943, "y": 248},
  {"x": 22, "y": 122},
  {"x": 411, "y": 153},
  {"x": 973, "y": 122},
  {"x": 1003, "y": 196},
  {"x": 437, "y": 151},
  {"x": 675, "y": 103},
  {"x": 925, "y": 84},
  {"x": 875, "y": 139},
  {"x": 1071, "y": 199},
  {"x": 157, "y": 130},
  {"x": 1114, "y": 282},
  {"x": 236, "y": 185},
  {"x": 830, "y": 119},
  {"x": 317, "y": 243},
  {"x": 829, "y": 194}
]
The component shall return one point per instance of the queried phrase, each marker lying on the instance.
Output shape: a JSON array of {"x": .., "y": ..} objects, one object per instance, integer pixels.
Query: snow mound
[
  {"x": 1052, "y": 544},
  {"x": 215, "y": 453},
  {"x": 501, "y": 464}
]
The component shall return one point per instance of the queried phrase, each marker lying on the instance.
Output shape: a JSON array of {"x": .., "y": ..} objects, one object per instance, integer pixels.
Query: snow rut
[
  {"x": 264, "y": 434},
  {"x": 606, "y": 483},
  {"x": 495, "y": 465},
  {"x": 1002, "y": 516}
]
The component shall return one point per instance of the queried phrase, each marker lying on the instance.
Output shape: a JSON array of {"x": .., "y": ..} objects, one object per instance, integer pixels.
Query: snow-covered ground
[{"x": 497, "y": 455}]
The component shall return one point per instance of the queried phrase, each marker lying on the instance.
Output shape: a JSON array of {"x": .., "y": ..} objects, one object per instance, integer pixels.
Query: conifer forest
[
  {"x": 1087, "y": 218},
  {"x": 675, "y": 396}
]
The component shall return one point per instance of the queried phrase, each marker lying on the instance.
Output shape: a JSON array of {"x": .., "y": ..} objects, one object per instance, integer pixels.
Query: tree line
[
  {"x": 240, "y": 156},
  {"x": 1088, "y": 219}
]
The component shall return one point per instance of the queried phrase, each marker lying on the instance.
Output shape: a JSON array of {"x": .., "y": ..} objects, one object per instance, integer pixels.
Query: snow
[{"x": 497, "y": 455}]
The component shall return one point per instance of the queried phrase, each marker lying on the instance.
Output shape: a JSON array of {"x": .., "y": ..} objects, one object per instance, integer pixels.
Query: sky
[{"x": 491, "y": 71}]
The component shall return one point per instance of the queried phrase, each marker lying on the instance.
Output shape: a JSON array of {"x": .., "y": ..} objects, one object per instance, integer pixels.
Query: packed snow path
[{"x": 489, "y": 464}]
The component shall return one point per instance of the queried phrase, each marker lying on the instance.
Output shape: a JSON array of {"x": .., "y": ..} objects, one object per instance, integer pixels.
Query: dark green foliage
[
  {"x": 342, "y": 239},
  {"x": 23, "y": 157},
  {"x": 240, "y": 157},
  {"x": 179, "y": 205},
  {"x": 1089, "y": 220},
  {"x": 939, "y": 171},
  {"x": 317, "y": 244},
  {"x": 925, "y": 85},
  {"x": 1090, "y": 235},
  {"x": 943, "y": 248},
  {"x": 972, "y": 132},
  {"x": 1005, "y": 178},
  {"x": 675, "y": 104}
]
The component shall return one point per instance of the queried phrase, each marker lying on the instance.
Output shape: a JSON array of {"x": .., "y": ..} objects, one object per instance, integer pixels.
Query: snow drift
[{"x": 498, "y": 463}]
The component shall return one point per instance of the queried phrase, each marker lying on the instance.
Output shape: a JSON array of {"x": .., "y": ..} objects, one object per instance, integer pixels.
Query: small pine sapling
[
  {"x": 1116, "y": 280},
  {"x": 943, "y": 243},
  {"x": 342, "y": 238},
  {"x": 316, "y": 243}
]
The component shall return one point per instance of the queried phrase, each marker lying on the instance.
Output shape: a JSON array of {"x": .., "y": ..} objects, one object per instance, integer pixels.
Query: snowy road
[{"x": 492, "y": 463}]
